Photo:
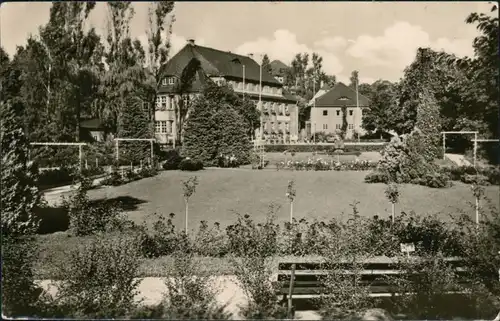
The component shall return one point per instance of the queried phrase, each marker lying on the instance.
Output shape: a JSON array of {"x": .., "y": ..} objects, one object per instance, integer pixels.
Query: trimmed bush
[
  {"x": 171, "y": 159},
  {"x": 190, "y": 165},
  {"x": 318, "y": 148},
  {"x": 54, "y": 177}
]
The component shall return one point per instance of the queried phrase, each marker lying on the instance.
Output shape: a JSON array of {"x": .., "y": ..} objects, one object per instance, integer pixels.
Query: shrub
[
  {"x": 98, "y": 280},
  {"x": 254, "y": 275},
  {"x": 190, "y": 165},
  {"x": 171, "y": 159},
  {"x": 210, "y": 241},
  {"x": 474, "y": 179},
  {"x": 190, "y": 294},
  {"x": 86, "y": 218},
  {"x": 377, "y": 177},
  {"x": 163, "y": 239},
  {"x": 19, "y": 292},
  {"x": 317, "y": 148}
]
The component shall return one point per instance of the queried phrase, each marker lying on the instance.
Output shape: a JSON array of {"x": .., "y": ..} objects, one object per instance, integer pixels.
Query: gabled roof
[
  {"x": 199, "y": 80},
  {"x": 218, "y": 63},
  {"x": 320, "y": 93},
  {"x": 341, "y": 95},
  {"x": 278, "y": 67}
]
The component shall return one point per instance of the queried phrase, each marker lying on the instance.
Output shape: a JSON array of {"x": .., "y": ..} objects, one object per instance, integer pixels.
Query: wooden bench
[{"x": 375, "y": 274}]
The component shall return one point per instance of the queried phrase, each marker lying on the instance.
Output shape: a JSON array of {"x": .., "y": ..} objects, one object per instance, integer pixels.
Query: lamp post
[{"x": 357, "y": 106}]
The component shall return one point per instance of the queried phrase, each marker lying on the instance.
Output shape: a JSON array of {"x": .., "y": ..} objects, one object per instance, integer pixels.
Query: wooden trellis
[{"x": 80, "y": 152}]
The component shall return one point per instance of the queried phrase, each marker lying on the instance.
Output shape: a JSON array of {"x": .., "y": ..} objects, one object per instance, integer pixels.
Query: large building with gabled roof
[
  {"x": 242, "y": 73},
  {"x": 326, "y": 111}
]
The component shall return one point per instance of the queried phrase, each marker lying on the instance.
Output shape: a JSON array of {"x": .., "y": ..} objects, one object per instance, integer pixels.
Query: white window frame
[
  {"x": 350, "y": 126},
  {"x": 164, "y": 82},
  {"x": 338, "y": 126},
  {"x": 171, "y": 80},
  {"x": 157, "y": 126},
  {"x": 325, "y": 126},
  {"x": 163, "y": 126}
]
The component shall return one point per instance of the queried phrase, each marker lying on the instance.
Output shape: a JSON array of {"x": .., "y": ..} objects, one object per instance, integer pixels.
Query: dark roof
[
  {"x": 218, "y": 63},
  {"x": 199, "y": 81},
  {"x": 341, "y": 95},
  {"x": 92, "y": 124},
  {"x": 278, "y": 68}
]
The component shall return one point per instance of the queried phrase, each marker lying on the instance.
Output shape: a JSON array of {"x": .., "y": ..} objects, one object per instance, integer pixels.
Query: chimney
[
  {"x": 250, "y": 55},
  {"x": 191, "y": 42}
]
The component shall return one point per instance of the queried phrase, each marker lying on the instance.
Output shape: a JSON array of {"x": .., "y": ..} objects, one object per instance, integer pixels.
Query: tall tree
[
  {"x": 354, "y": 79},
  {"x": 159, "y": 32},
  {"x": 383, "y": 114},
  {"x": 266, "y": 64}
]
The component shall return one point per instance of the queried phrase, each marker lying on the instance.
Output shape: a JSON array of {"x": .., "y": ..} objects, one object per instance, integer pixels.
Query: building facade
[
  {"x": 326, "y": 111},
  {"x": 278, "y": 109}
]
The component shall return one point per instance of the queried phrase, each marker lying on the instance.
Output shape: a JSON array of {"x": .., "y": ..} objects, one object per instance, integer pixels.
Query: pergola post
[
  {"x": 444, "y": 145},
  {"x": 117, "y": 150},
  {"x": 475, "y": 148},
  {"x": 152, "y": 152},
  {"x": 80, "y": 157}
]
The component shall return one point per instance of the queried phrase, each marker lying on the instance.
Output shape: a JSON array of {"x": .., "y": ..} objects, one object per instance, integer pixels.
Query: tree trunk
[{"x": 187, "y": 213}]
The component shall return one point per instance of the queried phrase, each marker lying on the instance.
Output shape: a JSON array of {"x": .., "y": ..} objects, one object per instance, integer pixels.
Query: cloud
[
  {"x": 398, "y": 44},
  {"x": 284, "y": 46},
  {"x": 331, "y": 43}
]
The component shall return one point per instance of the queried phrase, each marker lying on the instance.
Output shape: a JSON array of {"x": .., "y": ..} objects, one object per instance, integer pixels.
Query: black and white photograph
[{"x": 252, "y": 160}]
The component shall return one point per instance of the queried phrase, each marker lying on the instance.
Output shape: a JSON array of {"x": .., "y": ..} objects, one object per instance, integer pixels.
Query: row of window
[
  {"x": 168, "y": 81},
  {"x": 164, "y": 126},
  {"x": 167, "y": 102},
  {"x": 338, "y": 126},
  {"x": 282, "y": 108},
  {"x": 325, "y": 112},
  {"x": 285, "y": 126},
  {"x": 249, "y": 87}
]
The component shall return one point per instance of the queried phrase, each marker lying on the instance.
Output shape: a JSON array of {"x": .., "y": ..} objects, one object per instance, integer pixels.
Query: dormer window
[
  {"x": 236, "y": 61},
  {"x": 164, "y": 82},
  {"x": 343, "y": 98},
  {"x": 171, "y": 80}
]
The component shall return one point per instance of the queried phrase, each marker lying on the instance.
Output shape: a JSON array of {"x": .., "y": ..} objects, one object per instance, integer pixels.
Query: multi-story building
[
  {"x": 242, "y": 73},
  {"x": 279, "y": 70},
  {"x": 326, "y": 111}
]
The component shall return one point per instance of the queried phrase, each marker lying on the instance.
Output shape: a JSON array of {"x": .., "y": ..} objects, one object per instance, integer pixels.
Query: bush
[
  {"x": 377, "y": 177},
  {"x": 190, "y": 295},
  {"x": 19, "y": 292},
  {"x": 86, "y": 218},
  {"x": 190, "y": 165},
  {"x": 322, "y": 148},
  {"x": 171, "y": 159},
  {"x": 98, "y": 281}
]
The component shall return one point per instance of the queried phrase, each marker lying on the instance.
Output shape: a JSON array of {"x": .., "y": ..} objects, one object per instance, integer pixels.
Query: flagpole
[{"x": 357, "y": 108}]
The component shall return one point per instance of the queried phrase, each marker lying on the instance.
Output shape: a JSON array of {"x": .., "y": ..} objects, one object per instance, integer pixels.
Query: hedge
[{"x": 322, "y": 148}]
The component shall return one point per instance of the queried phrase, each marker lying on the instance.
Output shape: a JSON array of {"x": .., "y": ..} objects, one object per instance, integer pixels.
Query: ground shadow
[
  {"x": 56, "y": 219},
  {"x": 124, "y": 203}
]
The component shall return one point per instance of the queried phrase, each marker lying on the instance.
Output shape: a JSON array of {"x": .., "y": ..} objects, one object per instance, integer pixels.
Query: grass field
[
  {"x": 280, "y": 157},
  {"x": 223, "y": 192}
]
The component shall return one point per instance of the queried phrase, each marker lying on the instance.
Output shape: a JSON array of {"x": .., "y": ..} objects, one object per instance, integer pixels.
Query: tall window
[
  {"x": 351, "y": 126},
  {"x": 164, "y": 82},
  {"x": 163, "y": 126},
  {"x": 350, "y": 112},
  {"x": 338, "y": 126},
  {"x": 287, "y": 126},
  {"x": 171, "y": 80},
  {"x": 185, "y": 99},
  {"x": 325, "y": 126},
  {"x": 163, "y": 102},
  {"x": 157, "y": 126},
  {"x": 338, "y": 112},
  {"x": 325, "y": 112},
  {"x": 170, "y": 127}
]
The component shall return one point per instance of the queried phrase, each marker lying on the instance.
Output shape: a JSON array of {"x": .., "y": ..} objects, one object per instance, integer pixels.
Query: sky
[{"x": 379, "y": 39}]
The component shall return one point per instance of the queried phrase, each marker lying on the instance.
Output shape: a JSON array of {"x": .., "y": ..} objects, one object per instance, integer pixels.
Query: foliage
[
  {"x": 215, "y": 127},
  {"x": 326, "y": 165},
  {"x": 266, "y": 64},
  {"x": 190, "y": 165},
  {"x": 87, "y": 218},
  {"x": 319, "y": 148},
  {"x": 408, "y": 161},
  {"x": 19, "y": 192},
  {"x": 384, "y": 112},
  {"x": 392, "y": 193},
  {"x": 19, "y": 292},
  {"x": 172, "y": 159},
  {"x": 190, "y": 295},
  {"x": 99, "y": 280}
]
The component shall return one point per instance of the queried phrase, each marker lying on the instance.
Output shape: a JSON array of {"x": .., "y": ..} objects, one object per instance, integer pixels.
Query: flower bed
[
  {"x": 324, "y": 147},
  {"x": 325, "y": 165}
]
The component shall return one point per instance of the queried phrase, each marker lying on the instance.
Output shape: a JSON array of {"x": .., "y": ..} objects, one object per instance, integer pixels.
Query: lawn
[{"x": 222, "y": 193}]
